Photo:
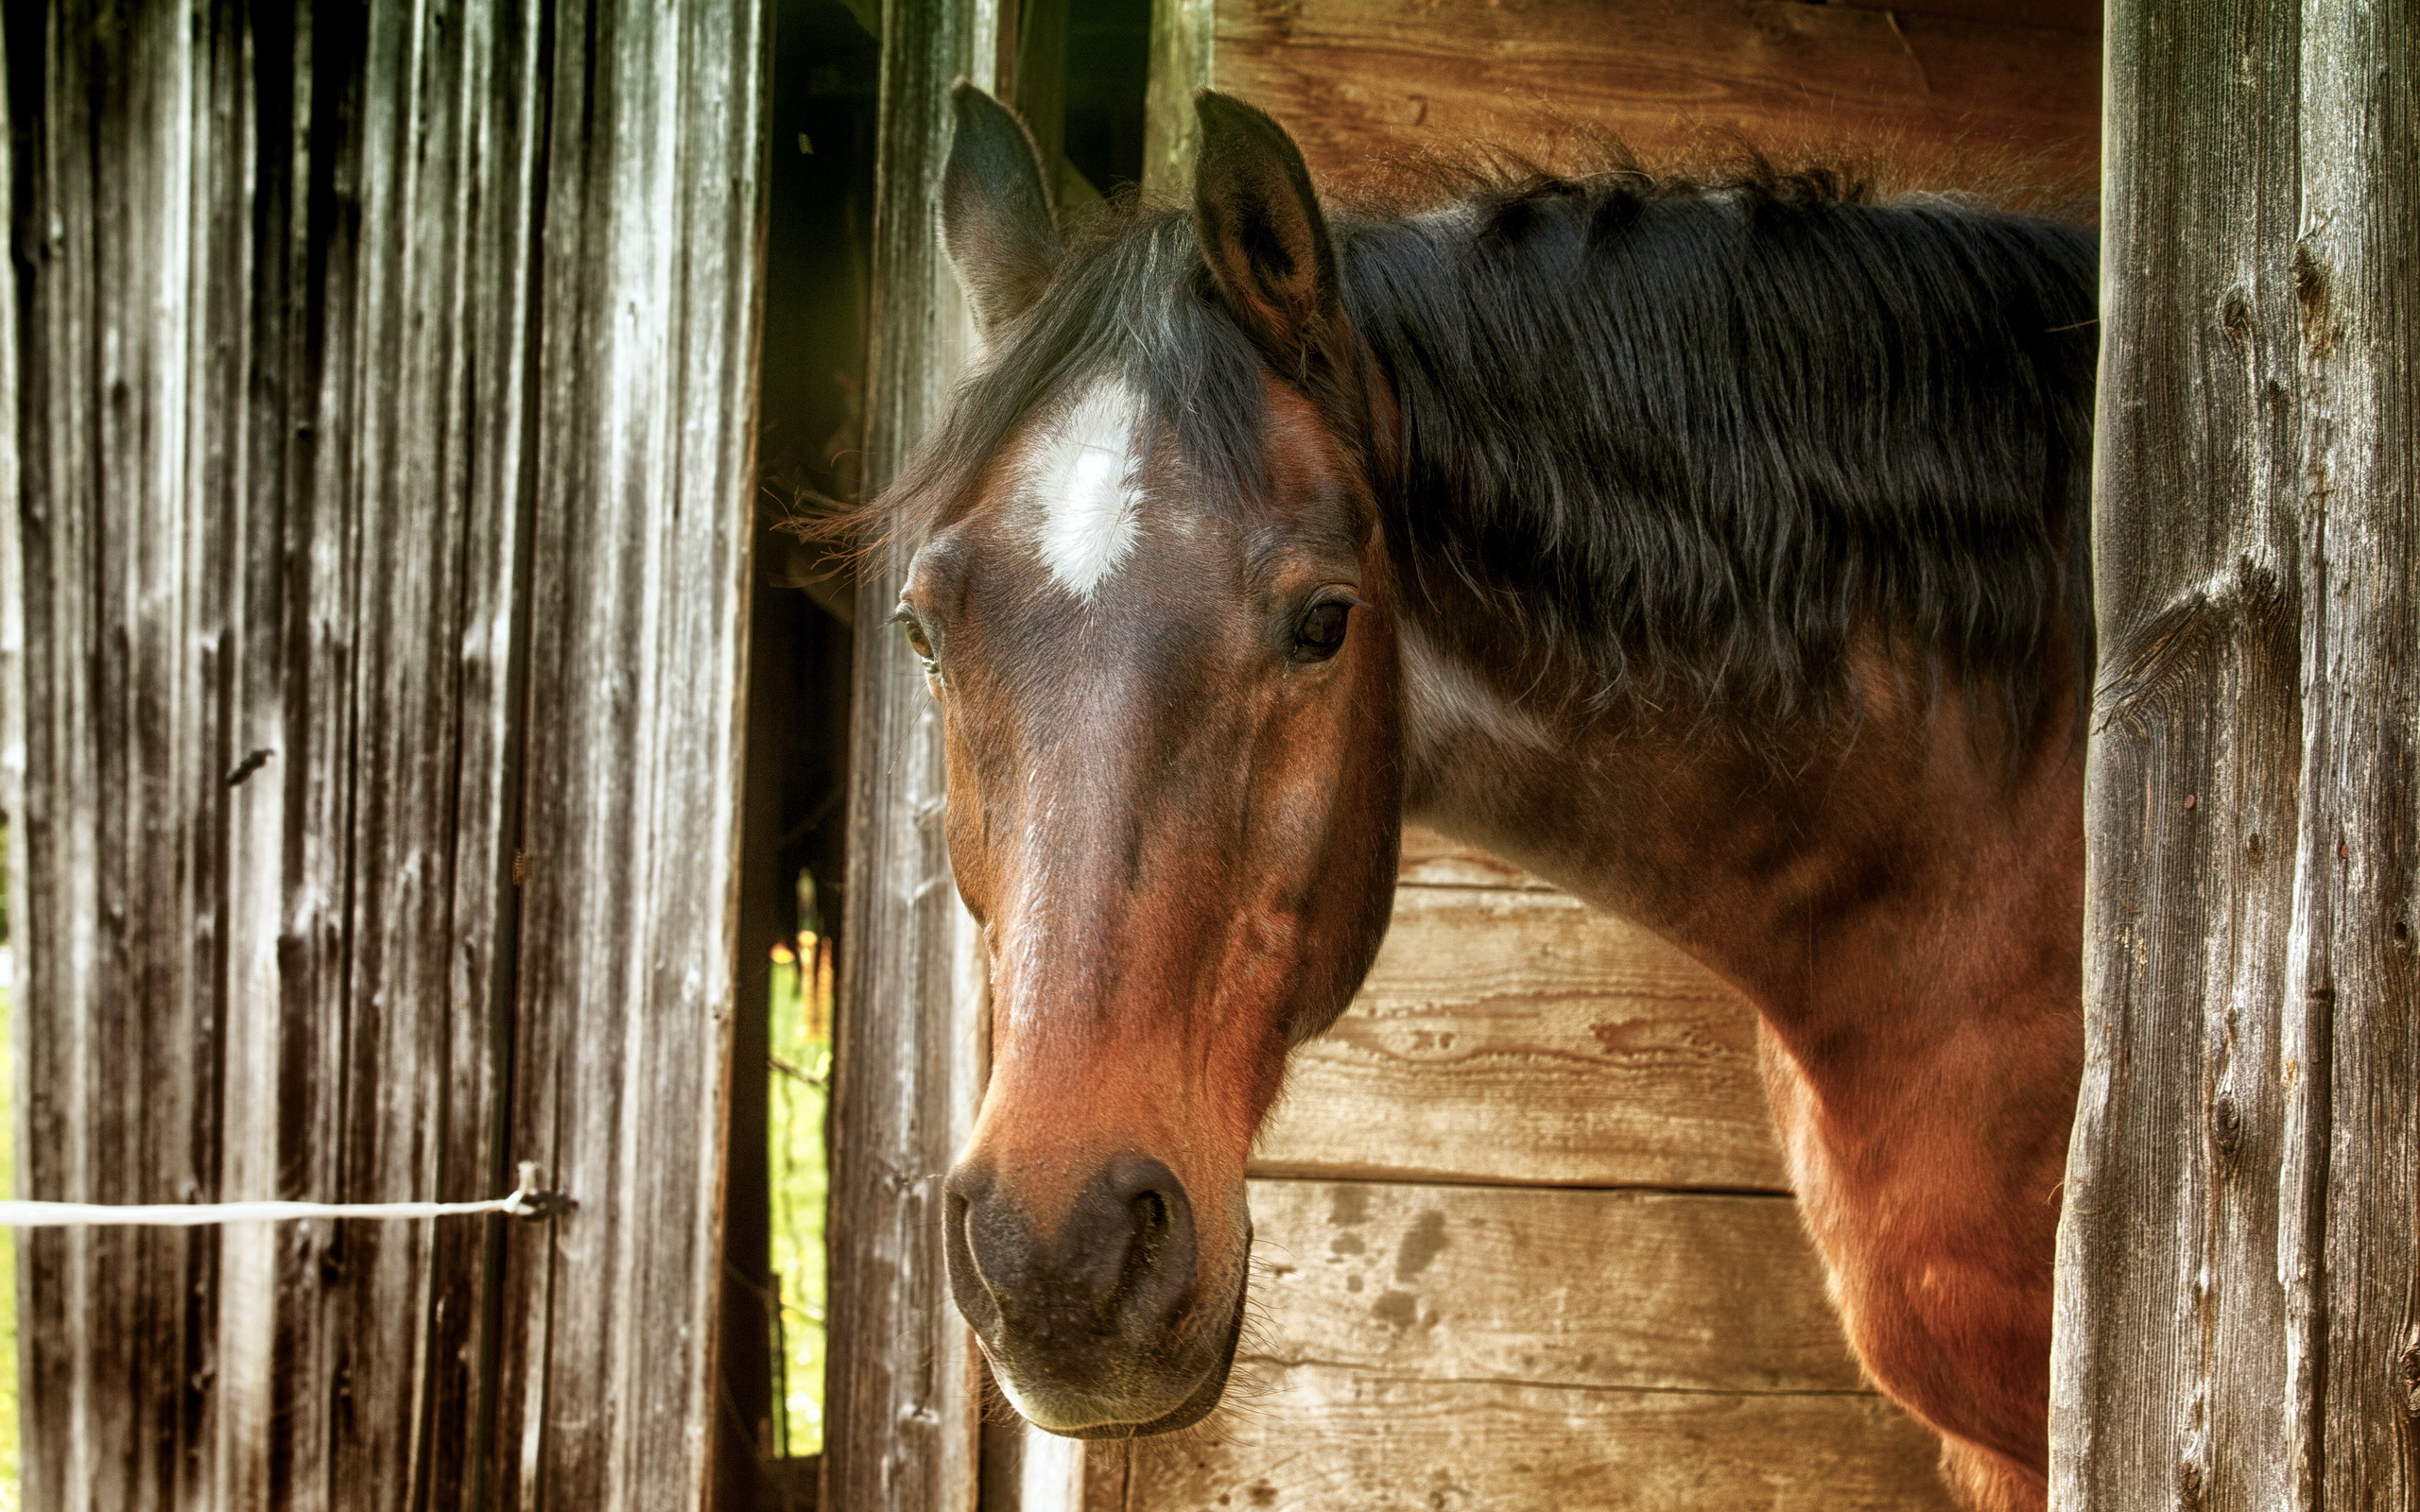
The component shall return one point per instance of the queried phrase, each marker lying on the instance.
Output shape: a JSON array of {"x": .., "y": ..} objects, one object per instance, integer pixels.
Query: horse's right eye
[{"x": 917, "y": 641}]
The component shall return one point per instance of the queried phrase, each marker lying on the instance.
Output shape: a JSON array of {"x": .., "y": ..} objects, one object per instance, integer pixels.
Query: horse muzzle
[{"x": 1116, "y": 1324}]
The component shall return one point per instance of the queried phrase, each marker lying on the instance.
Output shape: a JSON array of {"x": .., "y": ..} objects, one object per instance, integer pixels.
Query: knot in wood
[{"x": 2226, "y": 1127}]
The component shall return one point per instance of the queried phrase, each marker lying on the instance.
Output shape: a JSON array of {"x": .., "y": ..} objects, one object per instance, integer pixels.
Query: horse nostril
[
  {"x": 1147, "y": 1244},
  {"x": 1121, "y": 1264},
  {"x": 978, "y": 1248},
  {"x": 1139, "y": 1214},
  {"x": 955, "y": 1214}
]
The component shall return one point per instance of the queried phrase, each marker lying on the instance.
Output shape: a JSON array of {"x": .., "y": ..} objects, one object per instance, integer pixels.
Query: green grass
[{"x": 802, "y": 1083}]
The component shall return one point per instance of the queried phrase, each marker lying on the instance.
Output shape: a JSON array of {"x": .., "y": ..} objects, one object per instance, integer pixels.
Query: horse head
[{"x": 1153, "y": 597}]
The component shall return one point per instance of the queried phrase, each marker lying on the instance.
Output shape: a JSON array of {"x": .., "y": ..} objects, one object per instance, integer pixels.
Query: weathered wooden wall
[
  {"x": 2240, "y": 1302},
  {"x": 384, "y": 429}
]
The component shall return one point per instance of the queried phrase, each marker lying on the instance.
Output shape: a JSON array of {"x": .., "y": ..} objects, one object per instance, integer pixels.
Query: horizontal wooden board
[
  {"x": 1431, "y": 860},
  {"x": 1947, "y": 100},
  {"x": 2066, "y": 15},
  {"x": 1509, "y": 1035},
  {"x": 1633, "y": 1290},
  {"x": 1322, "y": 1438}
]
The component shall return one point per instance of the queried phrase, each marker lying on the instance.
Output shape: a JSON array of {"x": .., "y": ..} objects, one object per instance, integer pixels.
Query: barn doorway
[
  {"x": 810, "y": 366},
  {"x": 1081, "y": 71}
]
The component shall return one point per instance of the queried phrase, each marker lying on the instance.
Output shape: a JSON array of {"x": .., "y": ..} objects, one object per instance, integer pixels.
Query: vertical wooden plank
[
  {"x": 2236, "y": 1277},
  {"x": 629, "y": 820},
  {"x": 1184, "y": 38},
  {"x": 371, "y": 755},
  {"x": 2356, "y": 262},
  {"x": 902, "y": 1399},
  {"x": 119, "y": 1010},
  {"x": 318, "y": 633},
  {"x": 371, "y": 521},
  {"x": 393, "y": 1314},
  {"x": 2197, "y": 424},
  {"x": 488, "y": 426},
  {"x": 254, "y": 472},
  {"x": 13, "y": 659}
]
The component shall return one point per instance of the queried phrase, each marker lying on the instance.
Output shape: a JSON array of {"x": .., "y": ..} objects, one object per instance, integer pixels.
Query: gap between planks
[{"x": 1284, "y": 1171}]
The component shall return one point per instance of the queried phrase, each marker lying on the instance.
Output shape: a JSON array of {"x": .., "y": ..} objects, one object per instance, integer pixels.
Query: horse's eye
[
  {"x": 916, "y": 639},
  {"x": 1321, "y": 631}
]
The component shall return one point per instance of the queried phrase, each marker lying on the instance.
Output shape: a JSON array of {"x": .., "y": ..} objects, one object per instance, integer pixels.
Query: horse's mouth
[{"x": 1194, "y": 1408}]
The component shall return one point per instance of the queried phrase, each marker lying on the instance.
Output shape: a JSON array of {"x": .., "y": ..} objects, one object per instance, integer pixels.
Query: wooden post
[
  {"x": 2237, "y": 1302},
  {"x": 1184, "y": 39},
  {"x": 902, "y": 1399}
]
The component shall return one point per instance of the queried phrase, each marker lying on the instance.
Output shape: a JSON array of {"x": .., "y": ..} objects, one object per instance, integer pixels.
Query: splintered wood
[{"x": 2238, "y": 1284}]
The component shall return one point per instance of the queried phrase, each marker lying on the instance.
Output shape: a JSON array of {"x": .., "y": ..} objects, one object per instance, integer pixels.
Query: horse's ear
[
  {"x": 995, "y": 213},
  {"x": 1263, "y": 235}
]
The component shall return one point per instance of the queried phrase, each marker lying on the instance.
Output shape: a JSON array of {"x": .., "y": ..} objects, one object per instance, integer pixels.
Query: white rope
[{"x": 524, "y": 1201}]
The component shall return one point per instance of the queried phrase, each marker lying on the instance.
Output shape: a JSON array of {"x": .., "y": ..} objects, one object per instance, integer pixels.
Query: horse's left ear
[{"x": 1264, "y": 237}]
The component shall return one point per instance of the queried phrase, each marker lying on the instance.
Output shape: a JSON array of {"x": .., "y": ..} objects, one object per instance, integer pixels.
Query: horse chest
[{"x": 1927, "y": 1253}]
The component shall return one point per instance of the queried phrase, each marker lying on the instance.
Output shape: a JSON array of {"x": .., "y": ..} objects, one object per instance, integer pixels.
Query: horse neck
[{"x": 1870, "y": 893}]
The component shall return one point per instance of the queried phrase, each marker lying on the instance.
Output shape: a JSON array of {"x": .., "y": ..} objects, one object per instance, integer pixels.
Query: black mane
[{"x": 1697, "y": 432}]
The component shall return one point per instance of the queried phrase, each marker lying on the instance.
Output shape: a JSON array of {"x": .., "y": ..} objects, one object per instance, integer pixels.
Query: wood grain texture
[
  {"x": 315, "y": 427},
  {"x": 126, "y": 622},
  {"x": 639, "y": 538},
  {"x": 1183, "y": 43},
  {"x": 1321, "y": 1438},
  {"x": 1513, "y": 1036},
  {"x": 1940, "y": 97},
  {"x": 1633, "y": 1290},
  {"x": 2237, "y": 1288},
  {"x": 1431, "y": 860},
  {"x": 901, "y": 1395}
]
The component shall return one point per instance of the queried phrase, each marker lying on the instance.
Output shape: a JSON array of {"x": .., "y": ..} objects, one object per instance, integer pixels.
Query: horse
[{"x": 1714, "y": 547}]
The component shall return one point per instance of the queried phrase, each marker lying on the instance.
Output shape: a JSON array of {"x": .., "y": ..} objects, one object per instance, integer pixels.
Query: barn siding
[
  {"x": 1510, "y": 1034},
  {"x": 385, "y": 434}
]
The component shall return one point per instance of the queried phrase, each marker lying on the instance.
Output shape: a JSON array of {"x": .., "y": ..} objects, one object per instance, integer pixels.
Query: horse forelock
[{"x": 1125, "y": 323}]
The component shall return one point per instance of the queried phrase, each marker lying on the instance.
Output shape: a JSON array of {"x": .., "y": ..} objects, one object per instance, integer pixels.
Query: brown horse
[{"x": 1713, "y": 549}]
